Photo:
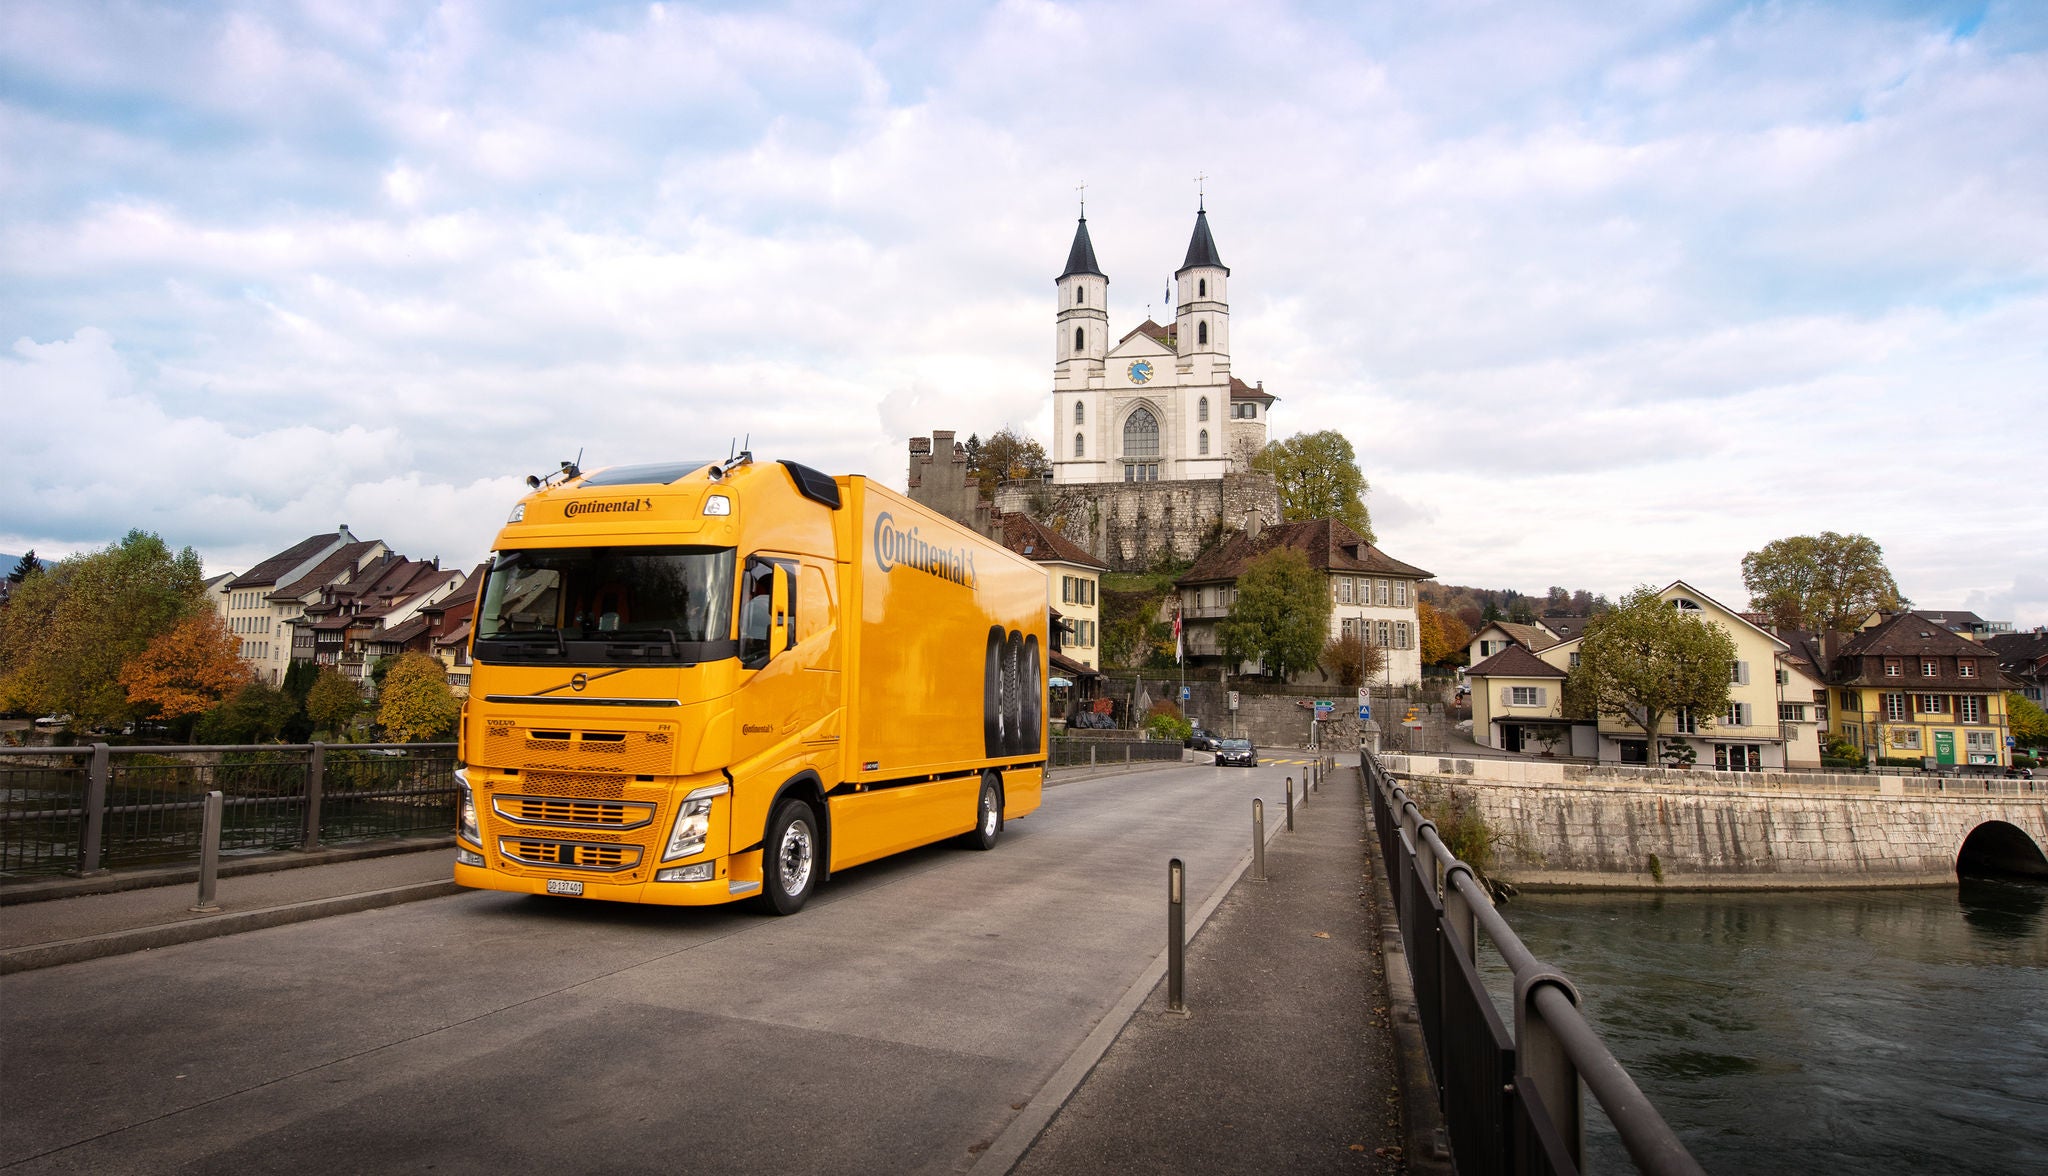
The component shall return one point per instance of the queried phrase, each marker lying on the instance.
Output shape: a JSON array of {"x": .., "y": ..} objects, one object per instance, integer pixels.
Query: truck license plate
[{"x": 565, "y": 886}]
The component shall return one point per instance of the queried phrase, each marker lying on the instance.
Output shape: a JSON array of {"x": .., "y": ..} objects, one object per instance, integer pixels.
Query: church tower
[
  {"x": 1084, "y": 312},
  {"x": 1202, "y": 314}
]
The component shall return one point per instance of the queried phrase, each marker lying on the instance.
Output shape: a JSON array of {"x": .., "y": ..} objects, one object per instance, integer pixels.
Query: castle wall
[{"x": 1129, "y": 525}]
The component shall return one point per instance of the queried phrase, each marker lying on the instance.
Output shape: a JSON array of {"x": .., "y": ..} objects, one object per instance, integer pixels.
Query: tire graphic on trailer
[{"x": 1012, "y": 693}]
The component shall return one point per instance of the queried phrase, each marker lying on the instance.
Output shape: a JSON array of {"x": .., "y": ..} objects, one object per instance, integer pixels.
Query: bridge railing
[
  {"x": 1512, "y": 1101},
  {"x": 1089, "y": 753},
  {"x": 80, "y": 810}
]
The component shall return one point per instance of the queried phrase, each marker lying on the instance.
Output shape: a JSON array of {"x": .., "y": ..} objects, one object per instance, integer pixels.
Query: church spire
[
  {"x": 1202, "y": 246},
  {"x": 1081, "y": 258}
]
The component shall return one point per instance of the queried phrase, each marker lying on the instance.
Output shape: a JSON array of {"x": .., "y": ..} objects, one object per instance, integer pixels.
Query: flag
[
  {"x": 1179, "y": 647},
  {"x": 1166, "y": 299}
]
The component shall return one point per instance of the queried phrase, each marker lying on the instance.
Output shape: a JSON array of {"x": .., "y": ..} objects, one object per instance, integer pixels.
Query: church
[
  {"x": 1153, "y": 437},
  {"x": 1160, "y": 404}
]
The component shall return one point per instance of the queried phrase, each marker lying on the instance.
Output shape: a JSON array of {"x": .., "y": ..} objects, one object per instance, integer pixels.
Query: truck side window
[
  {"x": 757, "y": 603},
  {"x": 767, "y": 605}
]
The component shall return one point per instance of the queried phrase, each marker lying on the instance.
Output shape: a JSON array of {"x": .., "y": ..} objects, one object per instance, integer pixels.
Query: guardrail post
[
  {"x": 1258, "y": 840},
  {"x": 1091, "y": 755},
  {"x": 209, "y": 854},
  {"x": 1176, "y": 936},
  {"x": 1541, "y": 1061},
  {"x": 97, "y": 778},
  {"x": 316, "y": 783},
  {"x": 1290, "y": 804},
  {"x": 1459, "y": 916}
]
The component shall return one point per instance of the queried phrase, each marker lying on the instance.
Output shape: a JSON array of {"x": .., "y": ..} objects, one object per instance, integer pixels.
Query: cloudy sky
[{"x": 1602, "y": 294}]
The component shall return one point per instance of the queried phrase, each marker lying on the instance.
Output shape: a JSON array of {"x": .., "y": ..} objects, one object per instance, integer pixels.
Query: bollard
[
  {"x": 1290, "y": 804},
  {"x": 316, "y": 779},
  {"x": 1176, "y": 934},
  {"x": 209, "y": 855},
  {"x": 1258, "y": 840}
]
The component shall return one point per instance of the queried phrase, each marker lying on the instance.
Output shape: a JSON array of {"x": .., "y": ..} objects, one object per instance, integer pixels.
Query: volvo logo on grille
[{"x": 578, "y": 682}]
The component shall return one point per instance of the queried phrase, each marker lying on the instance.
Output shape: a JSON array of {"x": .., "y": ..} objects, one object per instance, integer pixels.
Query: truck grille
[
  {"x": 569, "y": 750},
  {"x": 575, "y": 813},
  {"x": 569, "y": 855}
]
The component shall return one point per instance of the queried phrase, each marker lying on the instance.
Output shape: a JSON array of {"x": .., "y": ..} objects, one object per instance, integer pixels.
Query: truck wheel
[
  {"x": 988, "y": 816},
  {"x": 789, "y": 859},
  {"x": 1034, "y": 698},
  {"x": 992, "y": 694},
  {"x": 1013, "y": 695}
]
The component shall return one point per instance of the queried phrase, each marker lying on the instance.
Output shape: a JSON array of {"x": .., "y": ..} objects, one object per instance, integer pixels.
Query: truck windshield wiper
[
  {"x": 526, "y": 642},
  {"x": 618, "y": 636}
]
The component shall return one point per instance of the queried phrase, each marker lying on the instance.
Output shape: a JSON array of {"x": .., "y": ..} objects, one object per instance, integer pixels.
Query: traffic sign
[
  {"x": 1364, "y": 713},
  {"x": 1184, "y": 692}
]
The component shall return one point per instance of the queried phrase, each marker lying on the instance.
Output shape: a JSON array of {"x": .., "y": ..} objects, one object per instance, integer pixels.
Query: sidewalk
[
  {"x": 1285, "y": 1061},
  {"x": 69, "y": 924}
]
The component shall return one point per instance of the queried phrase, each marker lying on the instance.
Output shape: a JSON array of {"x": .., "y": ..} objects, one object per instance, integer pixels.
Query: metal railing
[
  {"x": 80, "y": 810},
  {"x": 1512, "y": 1103},
  {"x": 1090, "y": 753}
]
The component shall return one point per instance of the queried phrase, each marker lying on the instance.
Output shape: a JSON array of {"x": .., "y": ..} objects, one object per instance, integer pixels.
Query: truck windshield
[{"x": 607, "y": 606}]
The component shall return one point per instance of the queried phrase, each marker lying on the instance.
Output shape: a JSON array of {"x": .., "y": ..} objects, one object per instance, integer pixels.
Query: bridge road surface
[{"x": 898, "y": 1024}]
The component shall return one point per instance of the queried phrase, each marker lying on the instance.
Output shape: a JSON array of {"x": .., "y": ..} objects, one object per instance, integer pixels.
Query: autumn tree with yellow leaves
[{"x": 415, "y": 703}]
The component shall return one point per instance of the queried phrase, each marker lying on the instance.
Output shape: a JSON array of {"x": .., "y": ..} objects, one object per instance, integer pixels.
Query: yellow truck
[{"x": 706, "y": 681}]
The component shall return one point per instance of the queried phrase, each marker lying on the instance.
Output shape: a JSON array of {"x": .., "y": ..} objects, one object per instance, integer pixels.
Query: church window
[
  {"x": 1077, "y": 414},
  {"x": 1205, "y": 443},
  {"x": 1080, "y": 447},
  {"x": 1080, "y": 339},
  {"x": 1201, "y": 333},
  {"x": 1201, "y": 287},
  {"x": 1202, "y": 409},
  {"x": 1080, "y": 295},
  {"x": 1141, "y": 434}
]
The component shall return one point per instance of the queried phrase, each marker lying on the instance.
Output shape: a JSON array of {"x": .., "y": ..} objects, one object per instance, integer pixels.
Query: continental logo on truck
[
  {"x": 616, "y": 506},
  {"x": 894, "y": 547}
]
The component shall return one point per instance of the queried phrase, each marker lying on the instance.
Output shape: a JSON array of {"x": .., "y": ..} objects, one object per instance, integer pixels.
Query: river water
[{"x": 1819, "y": 1031}]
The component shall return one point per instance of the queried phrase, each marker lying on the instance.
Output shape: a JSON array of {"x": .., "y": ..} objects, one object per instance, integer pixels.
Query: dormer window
[
  {"x": 1966, "y": 668},
  {"x": 1893, "y": 668},
  {"x": 1928, "y": 668}
]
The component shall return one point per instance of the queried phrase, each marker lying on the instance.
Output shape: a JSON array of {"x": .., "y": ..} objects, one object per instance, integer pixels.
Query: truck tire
[
  {"x": 1013, "y": 695},
  {"x": 992, "y": 694},
  {"x": 789, "y": 858},
  {"x": 1034, "y": 698},
  {"x": 988, "y": 813}
]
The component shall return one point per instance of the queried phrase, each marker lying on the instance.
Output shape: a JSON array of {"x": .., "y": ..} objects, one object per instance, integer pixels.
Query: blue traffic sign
[
  {"x": 1364, "y": 713},
  {"x": 1184, "y": 692}
]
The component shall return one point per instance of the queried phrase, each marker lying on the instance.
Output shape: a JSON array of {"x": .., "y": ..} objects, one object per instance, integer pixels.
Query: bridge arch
[{"x": 1999, "y": 848}]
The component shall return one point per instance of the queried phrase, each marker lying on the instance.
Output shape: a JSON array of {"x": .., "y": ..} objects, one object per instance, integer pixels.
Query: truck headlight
[
  {"x": 465, "y": 810},
  {"x": 693, "y": 823}
]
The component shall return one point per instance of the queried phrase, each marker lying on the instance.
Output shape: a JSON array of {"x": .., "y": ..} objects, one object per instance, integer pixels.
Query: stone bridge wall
[{"x": 1565, "y": 825}]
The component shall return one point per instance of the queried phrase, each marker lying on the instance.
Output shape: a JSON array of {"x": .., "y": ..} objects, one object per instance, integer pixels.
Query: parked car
[
  {"x": 1200, "y": 739},
  {"x": 1236, "y": 751}
]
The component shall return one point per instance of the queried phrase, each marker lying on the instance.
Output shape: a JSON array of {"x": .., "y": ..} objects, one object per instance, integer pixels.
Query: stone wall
[
  {"x": 1129, "y": 525},
  {"x": 1568, "y": 825}
]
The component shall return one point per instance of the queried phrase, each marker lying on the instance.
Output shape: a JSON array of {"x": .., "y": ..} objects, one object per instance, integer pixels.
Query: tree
[
  {"x": 1820, "y": 582},
  {"x": 28, "y": 566},
  {"x": 1007, "y": 455},
  {"x": 257, "y": 713},
  {"x": 187, "y": 671},
  {"x": 333, "y": 702},
  {"x": 415, "y": 703},
  {"x": 1352, "y": 662},
  {"x": 1444, "y": 638},
  {"x": 2029, "y": 722},
  {"x": 1644, "y": 660},
  {"x": 1281, "y": 615},
  {"x": 1319, "y": 478},
  {"x": 67, "y": 631}
]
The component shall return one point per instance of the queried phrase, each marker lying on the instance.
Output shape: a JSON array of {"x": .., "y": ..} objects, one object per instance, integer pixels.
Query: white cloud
[{"x": 1600, "y": 297}]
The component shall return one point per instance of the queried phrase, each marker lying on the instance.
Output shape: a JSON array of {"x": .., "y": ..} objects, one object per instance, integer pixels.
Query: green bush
[{"x": 1160, "y": 725}]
